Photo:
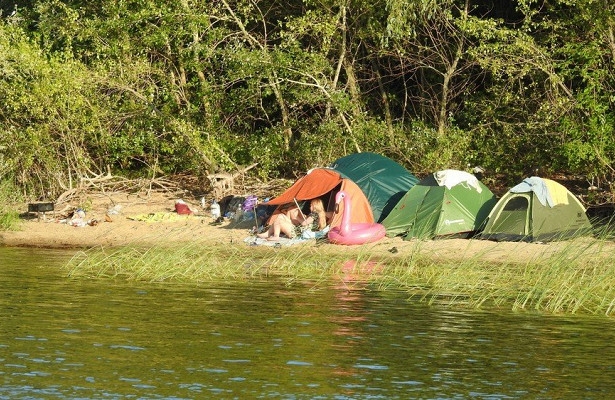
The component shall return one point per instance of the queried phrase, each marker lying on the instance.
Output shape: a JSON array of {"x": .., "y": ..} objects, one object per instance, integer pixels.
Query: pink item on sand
[{"x": 354, "y": 233}]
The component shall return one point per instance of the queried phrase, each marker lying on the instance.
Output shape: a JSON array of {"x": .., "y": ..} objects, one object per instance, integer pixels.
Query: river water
[{"x": 62, "y": 338}]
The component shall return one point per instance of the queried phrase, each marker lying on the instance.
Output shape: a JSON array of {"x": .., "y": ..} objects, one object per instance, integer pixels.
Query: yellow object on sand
[{"x": 559, "y": 194}]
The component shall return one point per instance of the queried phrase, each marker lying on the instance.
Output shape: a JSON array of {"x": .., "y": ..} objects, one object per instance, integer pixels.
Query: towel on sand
[{"x": 304, "y": 237}]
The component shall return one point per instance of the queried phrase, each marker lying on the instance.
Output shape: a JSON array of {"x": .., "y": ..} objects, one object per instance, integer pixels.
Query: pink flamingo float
[{"x": 353, "y": 233}]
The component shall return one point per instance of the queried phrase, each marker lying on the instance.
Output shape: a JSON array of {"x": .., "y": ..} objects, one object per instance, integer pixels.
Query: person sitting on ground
[
  {"x": 290, "y": 221},
  {"x": 284, "y": 222},
  {"x": 317, "y": 220}
]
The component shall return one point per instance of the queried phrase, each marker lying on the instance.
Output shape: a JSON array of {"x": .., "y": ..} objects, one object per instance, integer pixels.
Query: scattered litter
[
  {"x": 215, "y": 210},
  {"x": 114, "y": 210},
  {"x": 78, "y": 219},
  {"x": 217, "y": 221}
]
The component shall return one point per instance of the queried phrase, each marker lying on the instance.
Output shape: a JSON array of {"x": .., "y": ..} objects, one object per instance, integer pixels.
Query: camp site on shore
[{"x": 447, "y": 218}]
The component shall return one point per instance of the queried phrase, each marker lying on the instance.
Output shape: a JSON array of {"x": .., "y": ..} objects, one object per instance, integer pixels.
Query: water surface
[{"x": 62, "y": 338}]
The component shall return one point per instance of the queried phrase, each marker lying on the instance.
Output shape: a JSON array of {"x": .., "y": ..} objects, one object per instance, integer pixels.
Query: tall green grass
[
  {"x": 9, "y": 197},
  {"x": 9, "y": 220},
  {"x": 577, "y": 278}
]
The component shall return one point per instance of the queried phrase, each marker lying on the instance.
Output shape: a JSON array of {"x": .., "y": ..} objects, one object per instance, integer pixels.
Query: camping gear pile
[{"x": 448, "y": 203}]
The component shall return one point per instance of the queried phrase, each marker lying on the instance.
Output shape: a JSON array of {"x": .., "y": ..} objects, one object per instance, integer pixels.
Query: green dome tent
[
  {"x": 382, "y": 180},
  {"x": 537, "y": 210},
  {"x": 445, "y": 203}
]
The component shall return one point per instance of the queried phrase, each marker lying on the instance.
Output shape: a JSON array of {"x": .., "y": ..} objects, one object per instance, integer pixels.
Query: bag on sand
[
  {"x": 182, "y": 208},
  {"x": 249, "y": 204},
  {"x": 230, "y": 204}
]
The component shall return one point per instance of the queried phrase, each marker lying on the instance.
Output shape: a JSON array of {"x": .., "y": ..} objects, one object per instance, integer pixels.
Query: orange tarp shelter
[{"x": 320, "y": 181}]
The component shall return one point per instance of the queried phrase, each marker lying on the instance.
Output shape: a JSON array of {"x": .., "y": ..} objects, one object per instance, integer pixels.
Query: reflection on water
[{"x": 67, "y": 339}]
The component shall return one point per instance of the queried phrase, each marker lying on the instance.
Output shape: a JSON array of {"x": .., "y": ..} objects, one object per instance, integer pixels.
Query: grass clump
[
  {"x": 198, "y": 263},
  {"x": 577, "y": 278},
  {"x": 9, "y": 219},
  {"x": 9, "y": 198}
]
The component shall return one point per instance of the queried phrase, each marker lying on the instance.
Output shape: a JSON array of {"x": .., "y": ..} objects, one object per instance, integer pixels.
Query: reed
[
  {"x": 196, "y": 262},
  {"x": 9, "y": 220},
  {"x": 9, "y": 200},
  {"x": 577, "y": 278}
]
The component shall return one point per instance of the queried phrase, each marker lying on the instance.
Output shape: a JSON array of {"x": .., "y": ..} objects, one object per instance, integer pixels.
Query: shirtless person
[
  {"x": 291, "y": 217},
  {"x": 285, "y": 222}
]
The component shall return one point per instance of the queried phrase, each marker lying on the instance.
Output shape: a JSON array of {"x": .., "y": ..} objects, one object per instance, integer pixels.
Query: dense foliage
[{"x": 142, "y": 87}]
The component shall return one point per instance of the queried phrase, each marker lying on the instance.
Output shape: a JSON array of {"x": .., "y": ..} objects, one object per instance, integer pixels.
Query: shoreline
[
  {"x": 124, "y": 232},
  {"x": 121, "y": 230}
]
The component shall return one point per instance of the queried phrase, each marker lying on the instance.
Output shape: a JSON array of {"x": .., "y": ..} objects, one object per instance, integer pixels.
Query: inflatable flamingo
[{"x": 353, "y": 233}]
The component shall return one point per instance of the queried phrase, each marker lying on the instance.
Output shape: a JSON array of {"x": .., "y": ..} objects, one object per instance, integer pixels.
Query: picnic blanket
[
  {"x": 306, "y": 236},
  {"x": 256, "y": 241}
]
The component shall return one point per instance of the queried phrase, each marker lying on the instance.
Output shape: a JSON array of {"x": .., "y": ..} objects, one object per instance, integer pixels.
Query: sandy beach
[{"x": 122, "y": 227}]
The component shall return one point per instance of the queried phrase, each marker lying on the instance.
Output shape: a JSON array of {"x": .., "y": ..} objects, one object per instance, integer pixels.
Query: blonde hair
[{"x": 319, "y": 208}]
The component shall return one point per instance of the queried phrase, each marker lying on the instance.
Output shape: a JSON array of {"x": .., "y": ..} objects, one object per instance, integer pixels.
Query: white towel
[{"x": 452, "y": 177}]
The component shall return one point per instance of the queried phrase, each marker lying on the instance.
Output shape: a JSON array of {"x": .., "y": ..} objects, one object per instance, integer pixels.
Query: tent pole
[{"x": 297, "y": 204}]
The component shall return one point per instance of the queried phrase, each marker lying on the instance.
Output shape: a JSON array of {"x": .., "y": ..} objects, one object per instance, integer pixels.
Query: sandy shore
[{"x": 120, "y": 230}]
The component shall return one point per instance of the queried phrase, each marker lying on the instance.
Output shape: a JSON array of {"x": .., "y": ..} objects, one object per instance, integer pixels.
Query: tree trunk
[
  {"x": 287, "y": 130},
  {"x": 611, "y": 38},
  {"x": 341, "y": 60},
  {"x": 385, "y": 102},
  {"x": 353, "y": 88},
  {"x": 442, "y": 118},
  {"x": 446, "y": 81},
  {"x": 272, "y": 77}
]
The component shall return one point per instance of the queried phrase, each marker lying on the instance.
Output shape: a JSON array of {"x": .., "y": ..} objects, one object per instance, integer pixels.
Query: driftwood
[
  {"x": 179, "y": 186},
  {"x": 223, "y": 183},
  {"x": 109, "y": 183}
]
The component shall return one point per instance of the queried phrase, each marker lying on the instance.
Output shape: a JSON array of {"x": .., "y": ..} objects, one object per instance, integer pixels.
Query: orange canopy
[
  {"x": 319, "y": 182},
  {"x": 316, "y": 183}
]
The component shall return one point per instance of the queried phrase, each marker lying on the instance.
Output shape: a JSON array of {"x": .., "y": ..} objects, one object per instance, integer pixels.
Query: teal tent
[{"x": 383, "y": 181}]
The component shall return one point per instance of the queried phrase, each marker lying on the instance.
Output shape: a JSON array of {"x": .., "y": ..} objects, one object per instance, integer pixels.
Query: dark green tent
[
  {"x": 382, "y": 180},
  {"x": 446, "y": 203},
  {"x": 537, "y": 210}
]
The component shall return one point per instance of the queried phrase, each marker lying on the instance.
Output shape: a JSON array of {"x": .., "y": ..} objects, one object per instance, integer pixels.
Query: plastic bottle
[
  {"x": 238, "y": 214},
  {"x": 215, "y": 210}
]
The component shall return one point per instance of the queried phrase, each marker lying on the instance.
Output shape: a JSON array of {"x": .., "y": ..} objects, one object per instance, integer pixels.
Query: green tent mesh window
[{"x": 516, "y": 204}]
